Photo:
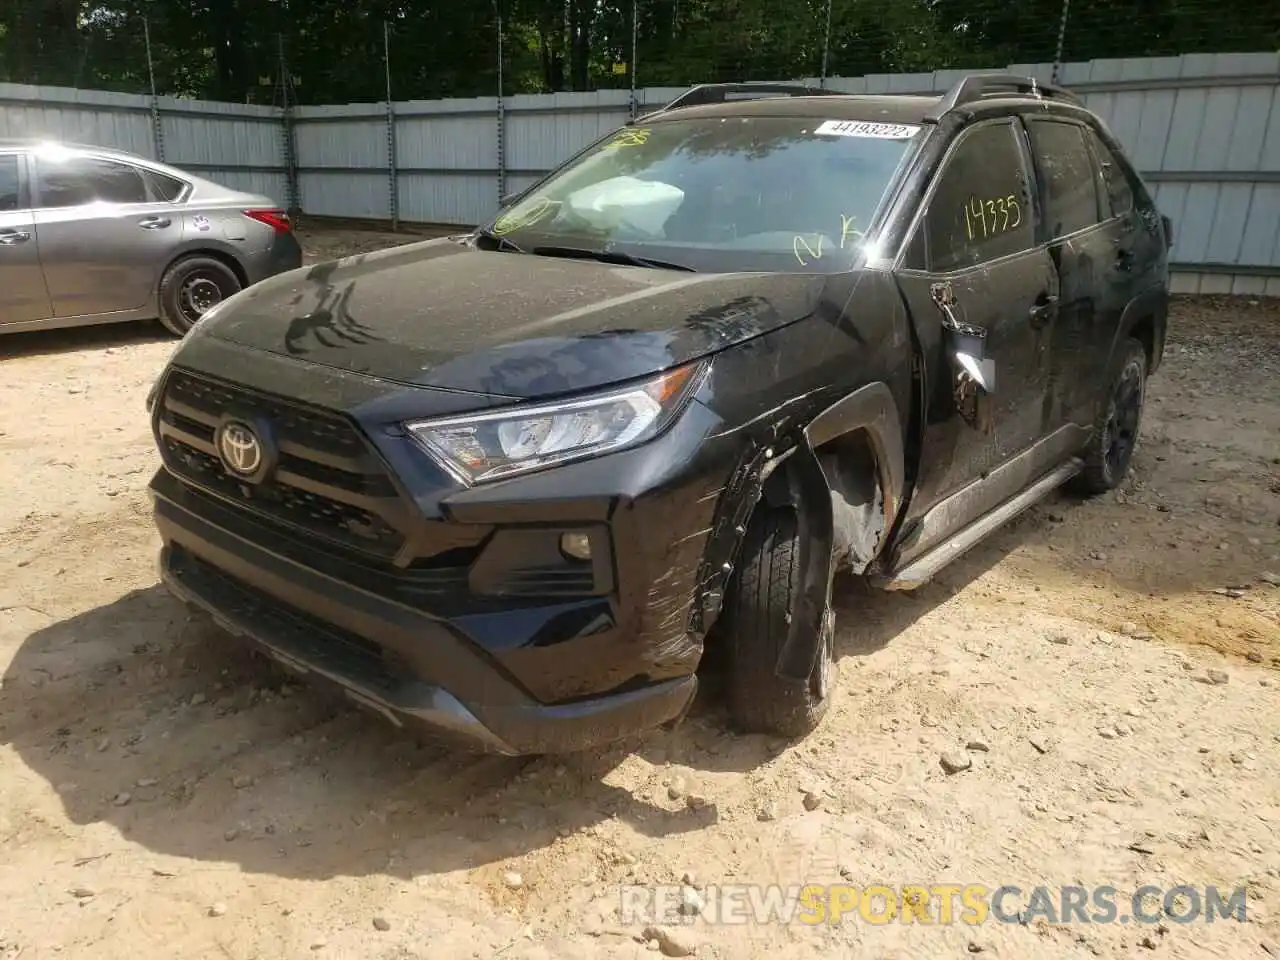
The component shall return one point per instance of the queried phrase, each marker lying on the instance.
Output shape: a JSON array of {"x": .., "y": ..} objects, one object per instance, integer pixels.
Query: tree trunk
[
  {"x": 230, "y": 55},
  {"x": 580, "y": 15}
]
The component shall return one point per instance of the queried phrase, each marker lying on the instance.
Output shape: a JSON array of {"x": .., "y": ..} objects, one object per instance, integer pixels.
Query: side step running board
[{"x": 921, "y": 570}]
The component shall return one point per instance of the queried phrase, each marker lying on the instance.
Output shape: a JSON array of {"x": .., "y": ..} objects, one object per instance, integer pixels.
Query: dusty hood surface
[{"x": 445, "y": 315}]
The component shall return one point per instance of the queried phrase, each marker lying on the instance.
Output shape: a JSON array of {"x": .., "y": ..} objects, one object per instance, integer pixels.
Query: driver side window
[{"x": 980, "y": 209}]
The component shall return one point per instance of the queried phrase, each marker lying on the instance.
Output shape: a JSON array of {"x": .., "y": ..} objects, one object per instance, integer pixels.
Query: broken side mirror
[
  {"x": 973, "y": 372},
  {"x": 973, "y": 377},
  {"x": 969, "y": 349}
]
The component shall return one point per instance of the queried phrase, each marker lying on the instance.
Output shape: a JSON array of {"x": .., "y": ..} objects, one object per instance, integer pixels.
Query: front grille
[{"x": 328, "y": 482}]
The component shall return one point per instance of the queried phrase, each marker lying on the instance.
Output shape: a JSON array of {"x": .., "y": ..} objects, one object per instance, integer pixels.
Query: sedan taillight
[{"x": 277, "y": 220}]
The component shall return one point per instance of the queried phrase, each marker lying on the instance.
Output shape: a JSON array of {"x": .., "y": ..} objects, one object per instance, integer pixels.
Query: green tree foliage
[{"x": 231, "y": 49}]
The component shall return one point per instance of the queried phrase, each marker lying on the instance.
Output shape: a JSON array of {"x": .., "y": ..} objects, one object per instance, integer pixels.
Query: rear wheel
[
  {"x": 191, "y": 288},
  {"x": 759, "y": 619},
  {"x": 1110, "y": 450}
]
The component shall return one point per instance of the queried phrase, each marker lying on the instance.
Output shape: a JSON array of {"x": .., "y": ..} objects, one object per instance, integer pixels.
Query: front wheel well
[{"x": 853, "y": 476}]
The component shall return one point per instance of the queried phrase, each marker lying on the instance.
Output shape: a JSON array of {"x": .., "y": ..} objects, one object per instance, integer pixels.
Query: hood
[{"x": 445, "y": 315}]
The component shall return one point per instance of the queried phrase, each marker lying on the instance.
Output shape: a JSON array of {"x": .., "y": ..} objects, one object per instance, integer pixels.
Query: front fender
[
  {"x": 873, "y": 410},
  {"x": 790, "y": 474}
]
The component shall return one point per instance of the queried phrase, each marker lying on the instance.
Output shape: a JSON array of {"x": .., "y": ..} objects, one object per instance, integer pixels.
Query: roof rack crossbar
[
  {"x": 981, "y": 85},
  {"x": 705, "y": 93}
]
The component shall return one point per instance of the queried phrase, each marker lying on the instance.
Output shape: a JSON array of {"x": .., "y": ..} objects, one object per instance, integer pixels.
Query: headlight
[{"x": 528, "y": 437}]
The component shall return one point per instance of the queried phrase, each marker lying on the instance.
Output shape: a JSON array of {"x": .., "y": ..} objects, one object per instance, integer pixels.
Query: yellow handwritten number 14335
[{"x": 991, "y": 218}]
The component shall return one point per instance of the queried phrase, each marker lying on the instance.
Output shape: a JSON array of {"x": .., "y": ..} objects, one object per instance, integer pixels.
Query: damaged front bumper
[
  {"x": 509, "y": 649},
  {"x": 414, "y": 670}
]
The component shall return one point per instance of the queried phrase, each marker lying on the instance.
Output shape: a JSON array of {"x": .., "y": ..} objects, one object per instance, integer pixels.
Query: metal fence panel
[
  {"x": 221, "y": 144},
  {"x": 360, "y": 195},
  {"x": 118, "y": 120},
  {"x": 459, "y": 198}
]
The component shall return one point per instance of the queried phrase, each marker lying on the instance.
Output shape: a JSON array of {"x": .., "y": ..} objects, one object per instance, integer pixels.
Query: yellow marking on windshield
[
  {"x": 799, "y": 242},
  {"x": 847, "y": 230},
  {"x": 517, "y": 220},
  {"x": 629, "y": 137}
]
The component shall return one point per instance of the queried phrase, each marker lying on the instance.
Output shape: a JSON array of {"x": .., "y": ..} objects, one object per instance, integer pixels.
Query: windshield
[{"x": 734, "y": 193}]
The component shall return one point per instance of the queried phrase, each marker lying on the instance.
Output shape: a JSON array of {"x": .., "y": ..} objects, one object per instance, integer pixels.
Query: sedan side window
[
  {"x": 10, "y": 183},
  {"x": 164, "y": 187},
  {"x": 979, "y": 211},
  {"x": 73, "y": 181}
]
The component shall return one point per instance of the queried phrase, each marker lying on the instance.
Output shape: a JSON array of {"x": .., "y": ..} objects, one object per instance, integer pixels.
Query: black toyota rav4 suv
[{"x": 511, "y": 486}]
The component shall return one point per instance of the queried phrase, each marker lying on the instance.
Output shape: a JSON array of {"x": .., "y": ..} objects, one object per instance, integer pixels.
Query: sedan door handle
[
  {"x": 154, "y": 223},
  {"x": 10, "y": 237}
]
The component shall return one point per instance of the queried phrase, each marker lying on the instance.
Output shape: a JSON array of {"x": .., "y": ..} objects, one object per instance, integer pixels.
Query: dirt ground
[{"x": 166, "y": 793}]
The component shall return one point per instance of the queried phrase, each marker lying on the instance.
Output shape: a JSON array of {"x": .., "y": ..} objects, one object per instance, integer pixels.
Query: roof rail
[
  {"x": 705, "y": 93},
  {"x": 979, "y": 86}
]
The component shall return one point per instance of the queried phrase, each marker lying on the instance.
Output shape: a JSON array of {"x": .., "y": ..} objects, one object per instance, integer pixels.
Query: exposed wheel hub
[{"x": 200, "y": 294}]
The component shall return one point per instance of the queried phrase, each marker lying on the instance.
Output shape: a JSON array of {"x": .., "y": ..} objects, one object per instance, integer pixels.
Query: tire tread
[{"x": 768, "y": 581}]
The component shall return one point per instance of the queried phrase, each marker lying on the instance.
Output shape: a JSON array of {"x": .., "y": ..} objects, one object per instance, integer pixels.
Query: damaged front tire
[{"x": 759, "y": 620}]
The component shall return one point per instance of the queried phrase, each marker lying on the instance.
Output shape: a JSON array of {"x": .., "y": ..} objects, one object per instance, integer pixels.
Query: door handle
[
  {"x": 1043, "y": 308},
  {"x": 10, "y": 237},
  {"x": 154, "y": 223}
]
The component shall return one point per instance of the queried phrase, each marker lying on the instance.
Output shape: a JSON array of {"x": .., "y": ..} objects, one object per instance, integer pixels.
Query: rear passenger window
[
  {"x": 1119, "y": 190},
  {"x": 1069, "y": 180},
  {"x": 979, "y": 210},
  {"x": 165, "y": 187}
]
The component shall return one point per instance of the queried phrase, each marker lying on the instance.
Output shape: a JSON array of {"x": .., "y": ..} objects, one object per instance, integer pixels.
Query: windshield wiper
[
  {"x": 499, "y": 243},
  {"x": 610, "y": 256}
]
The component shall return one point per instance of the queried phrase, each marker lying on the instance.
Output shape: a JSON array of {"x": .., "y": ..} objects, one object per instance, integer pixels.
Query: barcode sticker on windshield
[{"x": 866, "y": 128}]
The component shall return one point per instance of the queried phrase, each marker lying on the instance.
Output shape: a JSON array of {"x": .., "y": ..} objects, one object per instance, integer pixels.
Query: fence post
[
  {"x": 293, "y": 201},
  {"x": 157, "y": 128},
  {"x": 635, "y": 32},
  {"x": 502, "y": 117},
  {"x": 393, "y": 174},
  {"x": 1062, "y": 34}
]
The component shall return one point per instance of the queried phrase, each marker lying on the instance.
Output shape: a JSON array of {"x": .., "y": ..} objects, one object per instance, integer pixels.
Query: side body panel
[{"x": 23, "y": 297}]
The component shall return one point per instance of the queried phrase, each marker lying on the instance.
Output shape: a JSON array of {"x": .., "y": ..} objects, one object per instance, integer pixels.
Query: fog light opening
[{"x": 576, "y": 546}]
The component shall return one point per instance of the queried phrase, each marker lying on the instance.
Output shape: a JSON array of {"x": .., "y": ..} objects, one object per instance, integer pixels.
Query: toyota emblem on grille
[{"x": 241, "y": 450}]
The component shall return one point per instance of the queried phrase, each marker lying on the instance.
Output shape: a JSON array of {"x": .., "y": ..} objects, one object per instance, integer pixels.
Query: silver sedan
[{"x": 90, "y": 236}]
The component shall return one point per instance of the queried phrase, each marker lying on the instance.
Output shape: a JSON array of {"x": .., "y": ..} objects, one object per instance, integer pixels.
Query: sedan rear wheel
[{"x": 191, "y": 288}]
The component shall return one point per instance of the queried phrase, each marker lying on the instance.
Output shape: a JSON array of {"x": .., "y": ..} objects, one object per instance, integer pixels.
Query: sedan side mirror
[{"x": 509, "y": 199}]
